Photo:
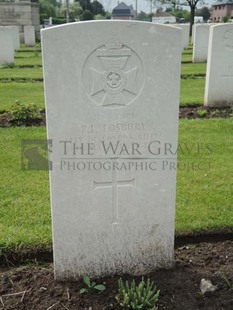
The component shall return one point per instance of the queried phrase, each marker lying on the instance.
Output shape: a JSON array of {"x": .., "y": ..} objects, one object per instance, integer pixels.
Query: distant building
[
  {"x": 198, "y": 19},
  {"x": 20, "y": 13},
  {"x": 163, "y": 18},
  {"x": 123, "y": 12},
  {"x": 222, "y": 9}
]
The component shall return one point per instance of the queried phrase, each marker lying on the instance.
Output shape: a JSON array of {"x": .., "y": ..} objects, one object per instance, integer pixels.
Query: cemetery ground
[{"x": 204, "y": 216}]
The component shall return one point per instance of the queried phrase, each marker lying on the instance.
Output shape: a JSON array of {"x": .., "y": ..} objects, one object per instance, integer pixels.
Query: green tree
[
  {"x": 87, "y": 15},
  {"x": 75, "y": 11},
  {"x": 97, "y": 8},
  {"x": 108, "y": 15},
  {"x": 99, "y": 17},
  {"x": 143, "y": 16},
  {"x": 85, "y": 5},
  {"x": 179, "y": 14},
  {"x": 47, "y": 8},
  {"x": 204, "y": 12}
]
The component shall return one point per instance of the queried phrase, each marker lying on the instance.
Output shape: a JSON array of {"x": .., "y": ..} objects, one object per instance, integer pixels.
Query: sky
[{"x": 143, "y": 5}]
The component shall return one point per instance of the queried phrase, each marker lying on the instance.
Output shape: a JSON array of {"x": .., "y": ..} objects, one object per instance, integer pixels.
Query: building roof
[
  {"x": 123, "y": 10},
  {"x": 222, "y": 2}
]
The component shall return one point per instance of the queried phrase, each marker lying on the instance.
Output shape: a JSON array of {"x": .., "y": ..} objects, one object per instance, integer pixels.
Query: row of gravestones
[
  {"x": 214, "y": 44},
  {"x": 200, "y": 40},
  {"x": 10, "y": 41}
]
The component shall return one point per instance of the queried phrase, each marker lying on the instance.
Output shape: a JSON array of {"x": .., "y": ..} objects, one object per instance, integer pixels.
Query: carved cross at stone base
[{"x": 114, "y": 184}]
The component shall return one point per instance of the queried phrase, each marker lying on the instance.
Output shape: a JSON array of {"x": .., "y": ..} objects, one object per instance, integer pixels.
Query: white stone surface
[
  {"x": 219, "y": 74},
  {"x": 185, "y": 34},
  {"x": 16, "y": 39},
  {"x": 29, "y": 36},
  {"x": 200, "y": 43},
  {"x": 6, "y": 46},
  {"x": 112, "y": 98}
]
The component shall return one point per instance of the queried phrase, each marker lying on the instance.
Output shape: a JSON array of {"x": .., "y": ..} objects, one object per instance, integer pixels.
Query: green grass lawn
[
  {"x": 193, "y": 69},
  {"x": 24, "y": 48},
  {"x": 192, "y": 91},
  {"x": 187, "y": 51},
  {"x": 204, "y": 196},
  {"x": 31, "y": 54},
  {"x": 186, "y": 57},
  {"x": 24, "y": 92},
  {"x": 32, "y": 61},
  {"x": 24, "y": 196},
  {"x": 21, "y": 73}
]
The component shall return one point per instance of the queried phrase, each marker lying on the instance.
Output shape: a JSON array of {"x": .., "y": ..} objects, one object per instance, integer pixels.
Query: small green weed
[
  {"x": 201, "y": 112},
  {"x": 228, "y": 282},
  {"x": 21, "y": 114},
  {"x": 141, "y": 296},
  {"x": 90, "y": 286}
]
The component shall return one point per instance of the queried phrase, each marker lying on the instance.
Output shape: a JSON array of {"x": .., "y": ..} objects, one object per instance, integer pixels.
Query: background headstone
[
  {"x": 219, "y": 74},
  {"x": 16, "y": 39},
  {"x": 112, "y": 105},
  {"x": 29, "y": 36},
  {"x": 200, "y": 43},
  {"x": 6, "y": 46},
  {"x": 185, "y": 34}
]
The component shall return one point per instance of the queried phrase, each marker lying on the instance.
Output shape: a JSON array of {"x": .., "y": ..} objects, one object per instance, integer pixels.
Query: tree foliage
[
  {"x": 75, "y": 11},
  {"x": 204, "y": 12},
  {"x": 143, "y": 16},
  {"x": 48, "y": 8},
  {"x": 180, "y": 14},
  {"x": 87, "y": 15},
  {"x": 94, "y": 7},
  {"x": 98, "y": 8}
]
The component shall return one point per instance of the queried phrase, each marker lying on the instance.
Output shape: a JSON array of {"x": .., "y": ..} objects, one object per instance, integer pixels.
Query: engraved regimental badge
[{"x": 113, "y": 75}]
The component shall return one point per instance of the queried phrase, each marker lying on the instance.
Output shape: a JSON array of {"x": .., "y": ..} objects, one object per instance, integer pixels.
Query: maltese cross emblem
[{"x": 113, "y": 75}]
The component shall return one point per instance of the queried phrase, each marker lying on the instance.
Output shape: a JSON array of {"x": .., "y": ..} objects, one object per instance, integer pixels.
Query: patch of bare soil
[
  {"x": 33, "y": 286},
  {"x": 204, "y": 112}
]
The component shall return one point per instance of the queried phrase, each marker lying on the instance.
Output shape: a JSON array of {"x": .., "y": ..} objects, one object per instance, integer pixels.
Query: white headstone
[
  {"x": 185, "y": 34},
  {"x": 200, "y": 43},
  {"x": 6, "y": 46},
  {"x": 112, "y": 106},
  {"x": 219, "y": 74},
  {"x": 29, "y": 36},
  {"x": 16, "y": 39}
]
